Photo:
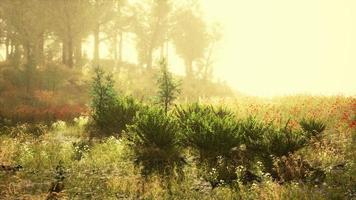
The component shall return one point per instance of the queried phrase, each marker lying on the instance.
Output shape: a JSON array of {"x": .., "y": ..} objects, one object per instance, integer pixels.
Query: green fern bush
[
  {"x": 312, "y": 127},
  {"x": 254, "y": 136},
  {"x": 214, "y": 135},
  {"x": 211, "y": 131},
  {"x": 283, "y": 141},
  {"x": 155, "y": 138}
]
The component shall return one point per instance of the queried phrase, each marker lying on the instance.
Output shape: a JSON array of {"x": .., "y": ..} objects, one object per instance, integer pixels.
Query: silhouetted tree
[
  {"x": 71, "y": 23},
  {"x": 190, "y": 38},
  {"x": 102, "y": 12},
  {"x": 151, "y": 27}
]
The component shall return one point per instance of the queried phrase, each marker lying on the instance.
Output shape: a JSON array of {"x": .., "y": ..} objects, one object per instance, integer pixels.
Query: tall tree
[
  {"x": 3, "y": 38},
  {"x": 102, "y": 13},
  {"x": 205, "y": 64},
  {"x": 71, "y": 22},
  {"x": 116, "y": 28},
  {"x": 151, "y": 28},
  {"x": 26, "y": 23},
  {"x": 190, "y": 38}
]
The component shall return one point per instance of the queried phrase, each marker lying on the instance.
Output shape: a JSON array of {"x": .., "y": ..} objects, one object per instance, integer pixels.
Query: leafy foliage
[
  {"x": 213, "y": 132},
  {"x": 104, "y": 98},
  {"x": 111, "y": 113},
  {"x": 312, "y": 127},
  {"x": 225, "y": 143},
  {"x": 156, "y": 144},
  {"x": 216, "y": 136},
  {"x": 283, "y": 141},
  {"x": 254, "y": 132}
]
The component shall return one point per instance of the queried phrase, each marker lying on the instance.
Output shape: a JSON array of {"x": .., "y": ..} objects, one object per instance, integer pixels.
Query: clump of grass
[
  {"x": 25, "y": 130},
  {"x": 218, "y": 140},
  {"x": 283, "y": 141},
  {"x": 212, "y": 132},
  {"x": 312, "y": 127},
  {"x": 155, "y": 138},
  {"x": 80, "y": 148}
]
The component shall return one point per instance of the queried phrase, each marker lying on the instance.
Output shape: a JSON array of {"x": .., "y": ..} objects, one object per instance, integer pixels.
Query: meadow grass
[{"x": 106, "y": 168}]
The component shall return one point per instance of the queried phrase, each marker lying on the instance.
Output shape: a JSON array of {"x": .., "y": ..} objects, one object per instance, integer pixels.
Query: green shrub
[
  {"x": 312, "y": 127},
  {"x": 280, "y": 143},
  {"x": 215, "y": 135},
  {"x": 104, "y": 98},
  {"x": 254, "y": 136},
  {"x": 211, "y": 131},
  {"x": 224, "y": 143},
  {"x": 110, "y": 112},
  {"x": 284, "y": 141},
  {"x": 155, "y": 139}
]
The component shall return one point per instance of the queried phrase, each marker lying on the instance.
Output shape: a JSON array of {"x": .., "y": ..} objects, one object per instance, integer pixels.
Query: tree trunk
[
  {"x": 121, "y": 41},
  {"x": 162, "y": 51},
  {"x": 40, "y": 50},
  {"x": 96, "y": 55},
  {"x": 30, "y": 66},
  {"x": 114, "y": 46},
  {"x": 65, "y": 52},
  {"x": 7, "y": 46},
  {"x": 13, "y": 48},
  {"x": 16, "y": 55},
  {"x": 26, "y": 53},
  {"x": 78, "y": 52},
  {"x": 70, "y": 52},
  {"x": 149, "y": 59},
  {"x": 167, "y": 51},
  {"x": 189, "y": 68}
]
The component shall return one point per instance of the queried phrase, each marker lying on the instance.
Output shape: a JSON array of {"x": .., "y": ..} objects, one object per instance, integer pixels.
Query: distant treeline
[
  {"x": 47, "y": 67},
  {"x": 35, "y": 32}
]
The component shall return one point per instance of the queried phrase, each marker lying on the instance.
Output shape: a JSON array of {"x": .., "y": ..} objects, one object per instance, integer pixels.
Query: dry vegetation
[{"x": 107, "y": 168}]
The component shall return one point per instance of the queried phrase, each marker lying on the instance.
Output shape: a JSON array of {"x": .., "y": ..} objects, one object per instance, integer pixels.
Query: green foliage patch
[
  {"x": 155, "y": 139},
  {"x": 110, "y": 112}
]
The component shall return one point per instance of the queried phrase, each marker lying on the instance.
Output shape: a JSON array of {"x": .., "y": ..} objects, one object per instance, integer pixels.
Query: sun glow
[
  {"x": 275, "y": 47},
  {"x": 282, "y": 47}
]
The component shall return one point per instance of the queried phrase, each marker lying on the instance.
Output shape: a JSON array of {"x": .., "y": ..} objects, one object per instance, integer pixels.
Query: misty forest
[{"x": 119, "y": 99}]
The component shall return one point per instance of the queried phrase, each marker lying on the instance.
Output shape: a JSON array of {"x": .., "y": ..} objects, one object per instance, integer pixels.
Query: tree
[
  {"x": 102, "y": 12},
  {"x": 204, "y": 64},
  {"x": 25, "y": 24},
  {"x": 104, "y": 98},
  {"x": 190, "y": 38},
  {"x": 168, "y": 87},
  {"x": 115, "y": 29},
  {"x": 71, "y": 23},
  {"x": 151, "y": 28},
  {"x": 110, "y": 112}
]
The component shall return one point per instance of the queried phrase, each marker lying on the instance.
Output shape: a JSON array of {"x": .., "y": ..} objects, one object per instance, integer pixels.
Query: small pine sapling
[{"x": 168, "y": 87}]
